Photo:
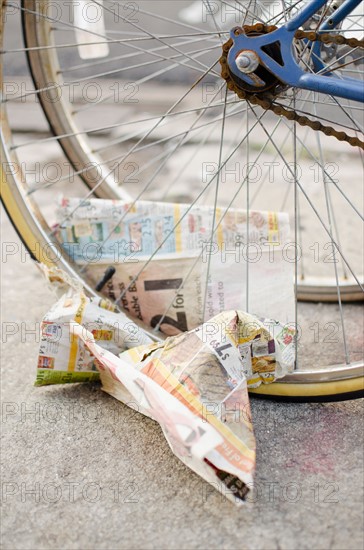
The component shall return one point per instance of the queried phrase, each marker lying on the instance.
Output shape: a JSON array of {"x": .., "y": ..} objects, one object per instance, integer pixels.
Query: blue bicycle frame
[{"x": 289, "y": 72}]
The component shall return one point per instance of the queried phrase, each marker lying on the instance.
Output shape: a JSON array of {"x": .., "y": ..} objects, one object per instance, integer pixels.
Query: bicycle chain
[{"x": 266, "y": 99}]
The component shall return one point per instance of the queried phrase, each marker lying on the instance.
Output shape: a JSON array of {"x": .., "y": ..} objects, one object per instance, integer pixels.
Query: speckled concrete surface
[{"x": 80, "y": 470}]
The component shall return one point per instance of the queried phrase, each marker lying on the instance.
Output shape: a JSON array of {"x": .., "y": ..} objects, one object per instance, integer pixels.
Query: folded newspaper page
[
  {"x": 61, "y": 357},
  {"x": 195, "y": 385},
  {"x": 178, "y": 265}
]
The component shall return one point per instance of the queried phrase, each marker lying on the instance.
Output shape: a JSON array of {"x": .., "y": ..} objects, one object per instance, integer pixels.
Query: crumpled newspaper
[
  {"x": 61, "y": 358},
  {"x": 195, "y": 384},
  {"x": 164, "y": 258}
]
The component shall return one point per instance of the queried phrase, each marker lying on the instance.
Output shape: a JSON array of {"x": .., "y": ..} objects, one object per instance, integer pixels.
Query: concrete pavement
[{"x": 81, "y": 470}]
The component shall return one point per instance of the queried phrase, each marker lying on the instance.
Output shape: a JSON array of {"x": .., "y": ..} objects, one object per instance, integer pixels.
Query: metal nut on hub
[{"x": 247, "y": 61}]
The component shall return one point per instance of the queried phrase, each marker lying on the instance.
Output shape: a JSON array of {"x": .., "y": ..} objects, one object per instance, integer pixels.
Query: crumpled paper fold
[{"x": 195, "y": 384}]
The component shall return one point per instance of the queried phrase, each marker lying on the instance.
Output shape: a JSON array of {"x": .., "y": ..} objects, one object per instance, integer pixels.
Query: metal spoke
[
  {"x": 312, "y": 205},
  {"x": 227, "y": 209},
  {"x": 138, "y": 65},
  {"x": 296, "y": 222},
  {"x": 217, "y": 187},
  {"x": 109, "y": 41},
  {"x": 67, "y": 84},
  {"x": 217, "y": 27},
  {"x": 148, "y": 33},
  {"x": 120, "y": 124},
  {"x": 135, "y": 149},
  {"x": 148, "y": 133},
  {"x": 247, "y": 213},
  {"x": 330, "y": 217},
  {"x": 185, "y": 214},
  {"x": 81, "y": 66},
  {"x": 150, "y": 181}
]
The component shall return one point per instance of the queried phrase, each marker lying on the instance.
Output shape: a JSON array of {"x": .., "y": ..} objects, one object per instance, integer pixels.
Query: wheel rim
[{"x": 311, "y": 289}]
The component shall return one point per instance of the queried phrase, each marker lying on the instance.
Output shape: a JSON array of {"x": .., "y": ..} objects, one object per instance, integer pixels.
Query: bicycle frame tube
[
  {"x": 331, "y": 23},
  {"x": 289, "y": 72},
  {"x": 304, "y": 14},
  {"x": 339, "y": 15}
]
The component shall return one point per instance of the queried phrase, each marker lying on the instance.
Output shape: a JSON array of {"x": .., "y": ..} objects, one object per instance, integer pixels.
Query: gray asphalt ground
[{"x": 81, "y": 470}]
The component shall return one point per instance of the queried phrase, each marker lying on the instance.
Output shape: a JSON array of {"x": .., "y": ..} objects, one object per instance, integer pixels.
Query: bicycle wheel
[{"x": 165, "y": 119}]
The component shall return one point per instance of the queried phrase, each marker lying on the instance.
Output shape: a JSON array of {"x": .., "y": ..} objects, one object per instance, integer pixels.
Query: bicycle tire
[{"x": 30, "y": 226}]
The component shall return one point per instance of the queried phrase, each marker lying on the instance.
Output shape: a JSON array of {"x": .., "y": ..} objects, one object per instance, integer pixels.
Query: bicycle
[{"x": 269, "y": 72}]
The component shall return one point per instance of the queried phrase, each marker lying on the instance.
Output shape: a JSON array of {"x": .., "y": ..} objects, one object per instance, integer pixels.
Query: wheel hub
[
  {"x": 250, "y": 75},
  {"x": 247, "y": 61}
]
